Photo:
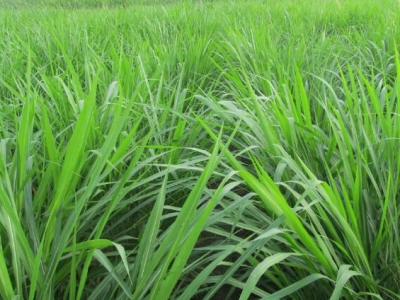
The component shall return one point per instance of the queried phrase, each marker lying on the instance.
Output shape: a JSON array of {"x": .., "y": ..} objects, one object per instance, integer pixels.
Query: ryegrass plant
[{"x": 214, "y": 150}]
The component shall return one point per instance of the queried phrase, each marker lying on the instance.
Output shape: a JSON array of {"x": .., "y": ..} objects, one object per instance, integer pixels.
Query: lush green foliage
[
  {"x": 78, "y": 4},
  {"x": 224, "y": 150}
]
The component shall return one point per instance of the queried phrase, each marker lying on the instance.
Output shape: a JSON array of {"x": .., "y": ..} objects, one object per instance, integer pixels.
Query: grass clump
[{"x": 216, "y": 150}]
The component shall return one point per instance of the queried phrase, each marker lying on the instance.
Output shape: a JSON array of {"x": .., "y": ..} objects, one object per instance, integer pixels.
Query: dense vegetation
[{"x": 216, "y": 150}]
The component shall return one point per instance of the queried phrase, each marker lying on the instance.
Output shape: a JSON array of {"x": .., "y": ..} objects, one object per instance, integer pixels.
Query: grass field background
[{"x": 188, "y": 150}]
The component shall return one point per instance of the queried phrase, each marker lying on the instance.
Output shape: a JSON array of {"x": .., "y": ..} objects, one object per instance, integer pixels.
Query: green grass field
[{"x": 200, "y": 150}]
